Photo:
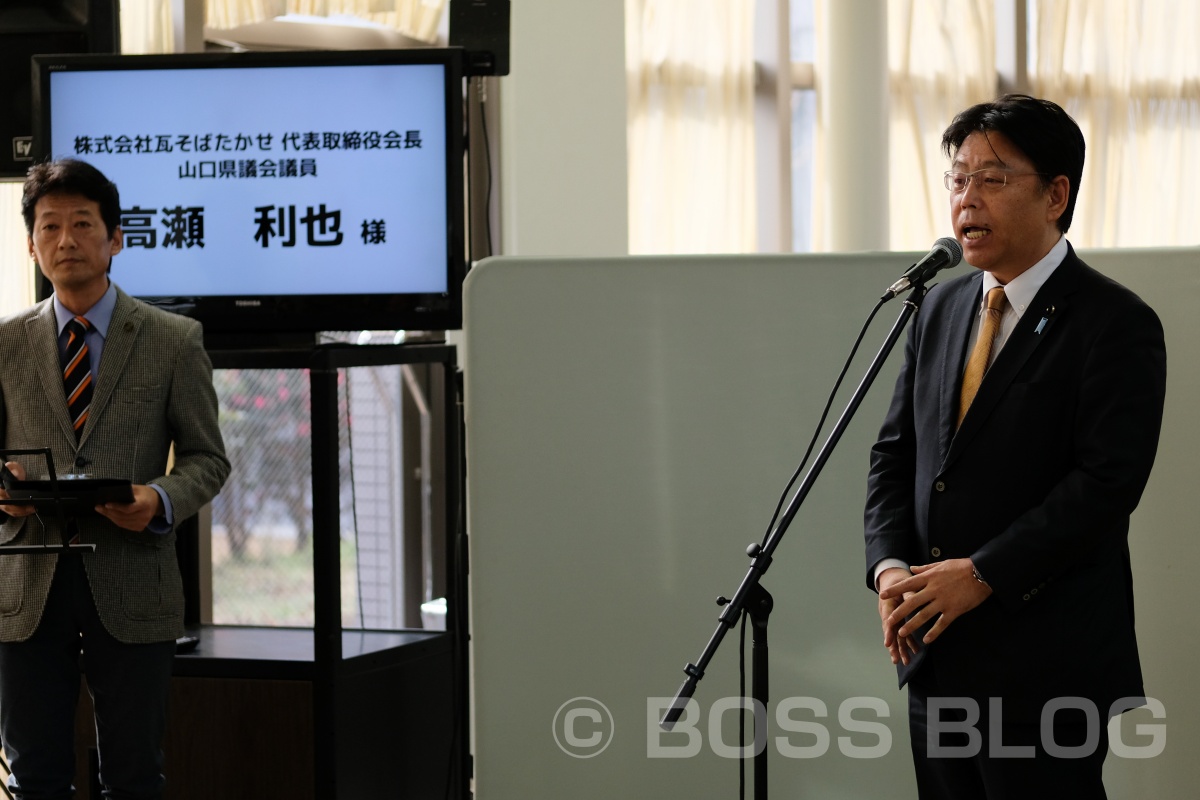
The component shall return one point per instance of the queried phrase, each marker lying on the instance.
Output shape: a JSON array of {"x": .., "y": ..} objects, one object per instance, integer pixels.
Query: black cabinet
[{"x": 329, "y": 712}]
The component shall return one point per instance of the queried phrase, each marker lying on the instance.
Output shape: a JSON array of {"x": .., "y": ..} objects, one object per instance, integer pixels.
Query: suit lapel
[
  {"x": 41, "y": 331},
  {"x": 962, "y": 308},
  {"x": 122, "y": 333},
  {"x": 1033, "y": 328}
]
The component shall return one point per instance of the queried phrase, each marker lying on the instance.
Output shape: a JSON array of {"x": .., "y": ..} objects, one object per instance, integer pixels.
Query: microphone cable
[
  {"x": 774, "y": 521},
  {"x": 821, "y": 423}
]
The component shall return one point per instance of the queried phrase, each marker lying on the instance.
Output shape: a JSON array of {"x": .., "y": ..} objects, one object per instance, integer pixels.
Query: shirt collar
[
  {"x": 1021, "y": 290},
  {"x": 99, "y": 315}
]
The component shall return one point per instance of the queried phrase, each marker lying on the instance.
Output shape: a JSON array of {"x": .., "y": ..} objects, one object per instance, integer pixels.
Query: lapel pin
[{"x": 1046, "y": 315}]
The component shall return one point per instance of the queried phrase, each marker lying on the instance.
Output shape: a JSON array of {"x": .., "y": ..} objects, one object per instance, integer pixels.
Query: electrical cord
[
  {"x": 362, "y": 617},
  {"x": 821, "y": 423},
  {"x": 775, "y": 519},
  {"x": 487, "y": 156},
  {"x": 742, "y": 716}
]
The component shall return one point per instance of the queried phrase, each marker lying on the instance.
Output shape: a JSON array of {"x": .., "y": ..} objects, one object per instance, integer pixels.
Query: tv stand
[
  {"x": 327, "y": 712},
  {"x": 259, "y": 342}
]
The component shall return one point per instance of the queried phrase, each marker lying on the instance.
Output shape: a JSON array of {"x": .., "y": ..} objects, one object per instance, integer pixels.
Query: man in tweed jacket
[{"x": 122, "y": 605}]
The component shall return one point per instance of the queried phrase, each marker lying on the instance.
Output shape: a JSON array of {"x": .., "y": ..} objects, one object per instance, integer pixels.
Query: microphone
[{"x": 944, "y": 254}]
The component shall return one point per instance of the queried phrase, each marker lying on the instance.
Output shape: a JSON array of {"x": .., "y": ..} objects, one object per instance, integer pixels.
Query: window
[
  {"x": 691, "y": 133},
  {"x": 1127, "y": 71},
  {"x": 1130, "y": 75},
  {"x": 803, "y": 96},
  {"x": 392, "y": 471}
]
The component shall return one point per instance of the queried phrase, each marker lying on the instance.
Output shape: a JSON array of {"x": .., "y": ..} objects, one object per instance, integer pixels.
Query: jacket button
[
  {"x": 81, "y": 462},
  {"x": 936, "y": 552},
  {"x": 940, "y": 486}
]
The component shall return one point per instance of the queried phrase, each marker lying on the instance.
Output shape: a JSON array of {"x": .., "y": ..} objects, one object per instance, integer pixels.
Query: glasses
[{"x": 989, "y": 180}]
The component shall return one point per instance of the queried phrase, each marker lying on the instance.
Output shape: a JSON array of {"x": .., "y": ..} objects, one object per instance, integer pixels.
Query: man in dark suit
[
  {"x": 109, "y": 384},
  {"x": 1020, "y": 436}
]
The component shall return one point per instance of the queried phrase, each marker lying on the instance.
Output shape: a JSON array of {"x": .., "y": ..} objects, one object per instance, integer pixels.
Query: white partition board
[{"x": 630, "y": 425}]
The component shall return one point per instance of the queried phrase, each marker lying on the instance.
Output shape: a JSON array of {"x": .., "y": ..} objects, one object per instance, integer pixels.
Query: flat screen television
[{"x": 275, "y": 194}]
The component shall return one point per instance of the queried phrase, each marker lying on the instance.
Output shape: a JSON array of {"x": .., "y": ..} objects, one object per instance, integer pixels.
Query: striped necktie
[
  {"x": 77, "y": 373},
  {"x": 981, "y": 356}
]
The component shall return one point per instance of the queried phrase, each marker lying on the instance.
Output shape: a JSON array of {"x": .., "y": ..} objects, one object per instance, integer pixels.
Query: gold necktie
[{"x": 978, "y": 363}]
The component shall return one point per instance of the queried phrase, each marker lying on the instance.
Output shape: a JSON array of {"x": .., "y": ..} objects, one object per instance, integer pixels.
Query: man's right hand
[
  {"x": 14, "y": 510},
  {"x": 900, "y": 647}
]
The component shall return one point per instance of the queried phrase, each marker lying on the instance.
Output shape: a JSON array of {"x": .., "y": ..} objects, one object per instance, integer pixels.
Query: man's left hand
[
  {"x": 944, "y": 589},
  {"x": 134, "y": 516}
]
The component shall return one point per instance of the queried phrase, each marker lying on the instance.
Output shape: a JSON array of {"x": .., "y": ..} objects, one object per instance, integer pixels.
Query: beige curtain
[
  {"x": 941, "y": 59},
  {"x": 145, "y": 28},
  {"x": 1129, "y": 72},
  {"x": 16, "y": 268},
  {"x": 417, "y": 19},
  {"x": 690, "y": 81}
]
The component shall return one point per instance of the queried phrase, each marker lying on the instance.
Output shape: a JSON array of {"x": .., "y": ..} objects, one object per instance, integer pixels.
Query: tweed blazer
[{"x": 153, "y": 388}]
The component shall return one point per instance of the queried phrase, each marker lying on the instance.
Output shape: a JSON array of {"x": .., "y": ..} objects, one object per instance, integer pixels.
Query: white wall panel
[{"x": 631, "y": 422}]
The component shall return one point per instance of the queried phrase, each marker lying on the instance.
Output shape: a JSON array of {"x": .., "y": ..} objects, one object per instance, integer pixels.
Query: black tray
[{"x": 79, "y": 496}]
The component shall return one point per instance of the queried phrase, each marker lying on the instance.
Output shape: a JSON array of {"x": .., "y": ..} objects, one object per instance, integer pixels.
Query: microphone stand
[{"x": 751, "y": 598}]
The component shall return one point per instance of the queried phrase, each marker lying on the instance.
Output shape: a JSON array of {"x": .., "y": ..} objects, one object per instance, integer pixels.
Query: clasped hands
[
  {"x": 135, "y": 516},
  {"x": 945, "y": 590}
]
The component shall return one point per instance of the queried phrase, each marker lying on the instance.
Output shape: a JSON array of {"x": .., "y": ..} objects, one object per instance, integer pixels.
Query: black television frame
[{"x": 233, "y": 321}]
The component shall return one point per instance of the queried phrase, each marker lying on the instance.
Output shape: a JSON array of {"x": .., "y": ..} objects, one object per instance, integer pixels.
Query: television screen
[{"x": 275, "y": 192}]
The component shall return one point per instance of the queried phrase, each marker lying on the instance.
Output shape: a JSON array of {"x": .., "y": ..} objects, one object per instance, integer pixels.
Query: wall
[
  {"x": 562, "y": 139},
  {"x": 630, "y": 425}
]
